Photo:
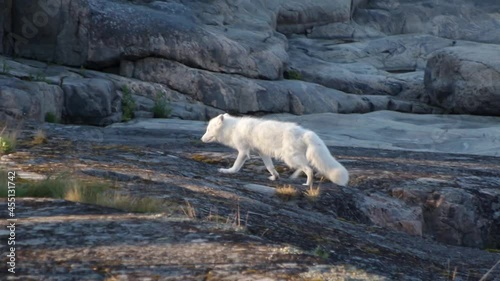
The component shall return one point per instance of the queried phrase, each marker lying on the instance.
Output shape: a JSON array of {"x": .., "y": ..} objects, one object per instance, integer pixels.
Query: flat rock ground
[{"x": 239, "y": 230}]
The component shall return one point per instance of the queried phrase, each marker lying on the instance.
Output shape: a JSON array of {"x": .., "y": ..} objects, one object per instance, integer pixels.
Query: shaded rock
[
  {"x": 128, "y": 30},
  {"x": 91, "y": 101},
  {"x": 393, "y": 214},
  {"x": 5, "y": 26},
  {"x": 297, "y": 16},
  {"x": 456, "y": 215},
  {"x": 30, "y": 100},
  {"x": 465, "y": 79},
  {"x": 344, "y": 31}
]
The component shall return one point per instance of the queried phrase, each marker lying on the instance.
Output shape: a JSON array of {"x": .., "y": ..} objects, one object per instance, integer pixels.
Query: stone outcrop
[
  {"x": 402, "y": 212},
  {"x": 367, "y": 55},
  {"x": 465, "y": 79}
]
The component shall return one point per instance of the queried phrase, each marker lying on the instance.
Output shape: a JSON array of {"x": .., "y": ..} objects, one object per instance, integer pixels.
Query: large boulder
[
  {"x": 91, "y": 101},
  {"x": 100, "y": 33},
  {"x": 465, "y": 79},
  {"x": 29, "y": 99}
]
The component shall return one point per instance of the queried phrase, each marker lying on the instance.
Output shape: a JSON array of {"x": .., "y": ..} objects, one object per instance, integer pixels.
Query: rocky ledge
[{"x": 406, "y": 215}]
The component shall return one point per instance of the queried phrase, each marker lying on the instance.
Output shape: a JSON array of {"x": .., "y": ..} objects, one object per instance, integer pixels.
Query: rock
[
  {"x": 344, "y": 31},
  {"x": 455, "y": 215},
  {"x": 5, "y": 26},
  {"x": 465, "y": 79},
  {"x": 29, "y": 99},
  {"x": 297, "y": 16},
  {"x": 393, "y": 214},
  {"x": 396, "y": 54},
  {"x": 243, "y": 95},
  {"x": 91, "y": 101},
  {"x": 139, "y": 31},
  {"x": 472, "y": 20}
]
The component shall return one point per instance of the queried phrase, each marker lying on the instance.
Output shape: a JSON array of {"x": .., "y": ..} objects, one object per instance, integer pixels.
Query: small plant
[
  {"x": 40, "y": 76},
  {"x": 128, "y": 104},
  {"x": 161, "y": 108},
  {"x": 50, "y": 117},
  {"x": 5, "y": 67},
  {"x": 322, "y": 253},
  {"x": 39, "y": 138},
  {"x": 312, "y": 193},
  {"x": 8, "y": 141},
  {"x": 82, "y": 70},
  {"x": 286, "y": 192},
  {"x": 292, "y": 75}
]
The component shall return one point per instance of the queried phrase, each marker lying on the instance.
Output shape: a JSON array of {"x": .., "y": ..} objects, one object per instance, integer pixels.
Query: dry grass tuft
[
  {"x": 287, "y": 192},
  {"x": 189, "y": 210},
  {"x": 39, "y": 138},
  {"x": 312, "y": 193}
]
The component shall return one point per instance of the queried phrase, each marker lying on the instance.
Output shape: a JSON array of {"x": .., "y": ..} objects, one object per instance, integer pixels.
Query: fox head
[{"x": 213, "y": 129}]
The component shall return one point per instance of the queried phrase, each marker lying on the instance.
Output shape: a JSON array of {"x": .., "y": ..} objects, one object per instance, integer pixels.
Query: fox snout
[{"x": 207, "y": 138}]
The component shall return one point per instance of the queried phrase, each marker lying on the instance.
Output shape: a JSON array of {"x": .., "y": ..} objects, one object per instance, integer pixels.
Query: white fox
[{"x": 297, "y": 147}]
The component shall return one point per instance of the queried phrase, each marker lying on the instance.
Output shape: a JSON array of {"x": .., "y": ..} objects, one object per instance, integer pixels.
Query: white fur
[{"x": 297, "y": 147}]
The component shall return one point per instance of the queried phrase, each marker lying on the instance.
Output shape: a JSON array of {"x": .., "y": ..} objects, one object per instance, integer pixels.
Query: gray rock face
[
  {"x": 473, "y": 20},
  {"x": 350, "y": 56},
  {"x": 465, "y": 79},
  {"x": 91, "y": 101},
  {"x": 31, "y": 89},
  {"x": 297, "y": 16},
  {"x": 139, "y": 31}
]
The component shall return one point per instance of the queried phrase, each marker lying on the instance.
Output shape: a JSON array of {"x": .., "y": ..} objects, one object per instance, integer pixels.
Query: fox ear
[{"x": 221, "y": 118}]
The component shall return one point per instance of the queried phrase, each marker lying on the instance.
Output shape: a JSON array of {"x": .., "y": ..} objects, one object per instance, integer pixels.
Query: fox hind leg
[
  {"x": 296, "y": 174},
  {"x": 310, "y": 175},
  {"x": 269, "y": 166},
  {"x": 300, "y": 163}
]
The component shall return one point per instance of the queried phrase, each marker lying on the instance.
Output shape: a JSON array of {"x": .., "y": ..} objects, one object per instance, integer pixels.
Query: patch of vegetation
[
  {"x": 208, "y": 160},
  {"x": 62, "y": 187},
  {"x": 39, "y": 138},
  {"x": 8, "y": 141},
  {"x": 41, "y": 77},
  {"x": 287, "y": 192},
  {"x": 128, "y": 104},
  {"x": 493, "y": 250},
  {"x": 322, "y": 253},
  {"x": 5, "y": 67},
  {"x": 50, "y": 117},
  {"x": 161, "y": 108},
  {"x": 292, "y": 75},
  {"x": 82, "y": 70}
]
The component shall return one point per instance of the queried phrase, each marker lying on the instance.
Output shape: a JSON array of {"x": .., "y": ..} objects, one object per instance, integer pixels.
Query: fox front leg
[{"x": 240, "y": 160}]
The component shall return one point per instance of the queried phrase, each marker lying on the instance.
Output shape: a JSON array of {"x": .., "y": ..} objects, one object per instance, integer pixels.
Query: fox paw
[
  {"x": 273, "y": 177},
  {"x": 225, "y": 171}
]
